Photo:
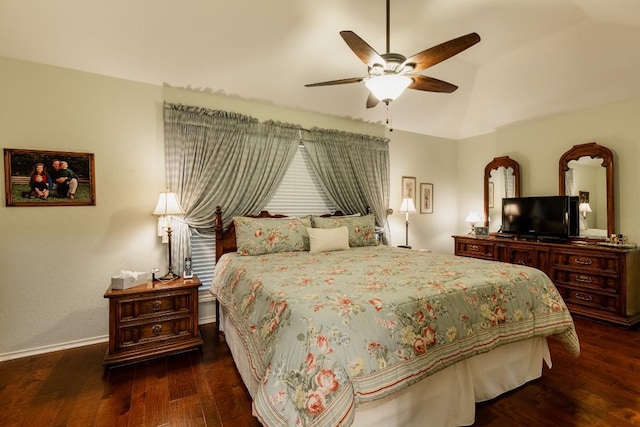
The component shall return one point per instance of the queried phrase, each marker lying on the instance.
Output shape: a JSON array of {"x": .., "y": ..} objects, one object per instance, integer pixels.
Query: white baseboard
[
  {"x": 204, "y": 298},
  {"x": 53, "y": 347}
]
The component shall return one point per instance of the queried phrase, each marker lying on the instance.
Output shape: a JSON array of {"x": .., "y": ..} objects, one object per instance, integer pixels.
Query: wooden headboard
[{"x": 226, "y": 238}]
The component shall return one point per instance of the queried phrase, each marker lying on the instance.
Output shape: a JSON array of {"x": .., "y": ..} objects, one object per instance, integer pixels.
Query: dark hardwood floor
[{"x": 203, "y": 388}]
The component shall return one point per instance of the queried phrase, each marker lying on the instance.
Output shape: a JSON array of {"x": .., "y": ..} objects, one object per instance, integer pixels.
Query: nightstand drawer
[
  {"x": 152, "y": 320},
  {"x": 156, "y": 305},
  {"x": 154, "y": 331}
]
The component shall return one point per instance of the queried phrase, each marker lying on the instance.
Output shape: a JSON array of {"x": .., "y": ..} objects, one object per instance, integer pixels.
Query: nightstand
[{"x": 152, "y": 320}]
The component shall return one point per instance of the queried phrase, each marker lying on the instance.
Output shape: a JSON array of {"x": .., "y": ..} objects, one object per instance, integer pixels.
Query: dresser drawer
[
  {"x": 150, "y": 332},
  {"x": 587, "y": 260},
  {"x": 132, "y": 309},
  {"x": 586, "y": 280},
  {"x": 609, "y": 303},
  {"x": 475, "y": 248}
]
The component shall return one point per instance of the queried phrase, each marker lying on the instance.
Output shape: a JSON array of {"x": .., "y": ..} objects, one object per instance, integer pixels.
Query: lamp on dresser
[
  {"x": 167, "y": 206},
  {"x": 473, "y": 218},
  {"x": 407, "y": 207}
]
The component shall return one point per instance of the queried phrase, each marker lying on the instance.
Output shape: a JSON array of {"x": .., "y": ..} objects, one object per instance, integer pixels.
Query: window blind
[{"x": 300, "y": 192}]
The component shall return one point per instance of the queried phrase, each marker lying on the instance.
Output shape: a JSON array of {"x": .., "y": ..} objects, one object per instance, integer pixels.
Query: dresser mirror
[
  {"x": 586, "y": 171},
  {"x": 501, "y": 179}
]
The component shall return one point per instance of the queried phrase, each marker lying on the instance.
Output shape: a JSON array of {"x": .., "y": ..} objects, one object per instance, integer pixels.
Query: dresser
[
  {"x": 595, "y": 281},
  {"x": 152, "y": 320}
]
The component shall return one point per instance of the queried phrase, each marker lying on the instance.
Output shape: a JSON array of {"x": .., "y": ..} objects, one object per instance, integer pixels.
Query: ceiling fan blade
[
  {"x": 430, "y": 84},
  {"x": 372, "y": 101},
  {"x": 439, "y": 53},
  {"x": 366, "y": 53},
  {"x": 337, "y": 82}
]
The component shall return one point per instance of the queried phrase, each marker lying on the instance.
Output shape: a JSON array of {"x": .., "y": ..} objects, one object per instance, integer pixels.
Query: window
[{"x": 299, "y": 193}]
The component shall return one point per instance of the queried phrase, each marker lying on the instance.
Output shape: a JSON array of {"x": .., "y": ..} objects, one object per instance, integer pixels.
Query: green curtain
[
  {"x": 353, "y": 170},
  {"x": 216, "y": 158}
]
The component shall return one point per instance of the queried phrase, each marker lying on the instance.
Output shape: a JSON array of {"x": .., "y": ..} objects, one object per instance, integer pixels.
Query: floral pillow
[
  {"x": 361, "y": 228},
  {"x": 257, "y": 236}
]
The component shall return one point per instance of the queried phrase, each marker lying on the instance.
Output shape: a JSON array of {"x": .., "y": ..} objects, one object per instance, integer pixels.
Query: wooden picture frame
[
  {"x": 426, "y": 198},
  {"x": 490, "y": 201},
  {"x": 409, "y": 188},
  {"x": 49, "y": 178},
  {"x": 481, "y": 231}
]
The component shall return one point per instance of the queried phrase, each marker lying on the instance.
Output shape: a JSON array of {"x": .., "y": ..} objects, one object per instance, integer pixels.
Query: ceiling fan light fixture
[{"x": 388, "y": 87}]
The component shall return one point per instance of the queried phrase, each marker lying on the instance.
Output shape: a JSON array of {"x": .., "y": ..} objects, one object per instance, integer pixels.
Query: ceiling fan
[{"x": 391, "y": 73}]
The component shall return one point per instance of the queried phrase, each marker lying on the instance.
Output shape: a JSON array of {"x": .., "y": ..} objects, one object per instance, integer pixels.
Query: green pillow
[
  {"x": 257, "y": 236},
  {"x": 361, "y": 228}
]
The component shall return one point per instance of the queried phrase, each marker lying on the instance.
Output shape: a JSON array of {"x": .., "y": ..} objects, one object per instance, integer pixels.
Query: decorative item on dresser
[
  {"x": 153, "y": 319},
  {"x": 595, "y": 281}
]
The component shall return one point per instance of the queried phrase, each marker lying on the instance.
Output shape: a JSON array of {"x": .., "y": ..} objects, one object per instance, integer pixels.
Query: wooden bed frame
[{"x": 226, "y": 240}]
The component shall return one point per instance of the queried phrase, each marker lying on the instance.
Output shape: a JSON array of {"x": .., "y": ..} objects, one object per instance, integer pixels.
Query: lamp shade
[
  {"x": 473, "y": 217},
  {"x": 584, "y": 207},
  {"x": 407, "y": 205},
  {"x": 388, "y": 87},
  {"x": 168, "y": 205}
]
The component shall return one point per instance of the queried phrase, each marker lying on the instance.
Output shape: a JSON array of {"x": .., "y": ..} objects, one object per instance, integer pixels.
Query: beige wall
[
  {"x": 538, "y": 146},
  {"x": 429, "y": 160},
  {"x": 55, "y": 262}
]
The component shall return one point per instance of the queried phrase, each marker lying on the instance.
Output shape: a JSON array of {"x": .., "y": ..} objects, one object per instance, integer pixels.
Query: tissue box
[{"x": 128, "y": 280}]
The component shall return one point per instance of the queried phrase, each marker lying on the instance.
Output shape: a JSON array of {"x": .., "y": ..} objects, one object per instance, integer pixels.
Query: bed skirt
[{"x": 446, "y": 398}]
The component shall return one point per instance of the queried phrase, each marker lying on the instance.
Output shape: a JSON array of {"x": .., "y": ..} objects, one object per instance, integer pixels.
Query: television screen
[{"x": 540, "y": 217}]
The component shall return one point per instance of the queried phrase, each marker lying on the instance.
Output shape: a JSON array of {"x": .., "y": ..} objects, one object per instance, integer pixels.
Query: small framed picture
[
  {"x": 426, "y": 198},
  {"x": 188, "y": 269},
  {"x": 409, "y": 188},
  {"x": 48, "y": 178},
  {"x": 481, "y": 231}
]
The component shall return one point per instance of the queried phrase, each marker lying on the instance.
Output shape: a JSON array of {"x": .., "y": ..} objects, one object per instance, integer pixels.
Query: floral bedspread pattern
[{"x": 325, "y": 331}]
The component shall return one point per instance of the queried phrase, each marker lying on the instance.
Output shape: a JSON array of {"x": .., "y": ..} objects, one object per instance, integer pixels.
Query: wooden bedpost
[{"x": 218, "y": 229}]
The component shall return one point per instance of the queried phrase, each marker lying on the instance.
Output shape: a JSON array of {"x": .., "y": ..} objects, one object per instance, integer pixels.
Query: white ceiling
[{"x": 537, "y": 57}]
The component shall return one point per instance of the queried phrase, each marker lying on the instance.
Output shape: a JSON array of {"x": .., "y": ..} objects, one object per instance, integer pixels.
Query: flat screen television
[{"x": 541, "y": 218}]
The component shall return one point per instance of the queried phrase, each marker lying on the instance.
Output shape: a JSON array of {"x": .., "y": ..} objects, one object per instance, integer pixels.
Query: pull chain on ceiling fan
[{"x": 391, "y": 73}]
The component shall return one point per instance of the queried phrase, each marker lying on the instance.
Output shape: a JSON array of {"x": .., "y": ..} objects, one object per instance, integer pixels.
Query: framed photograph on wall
[
  {"x": 426, "y": 198},
  {"x": 409, "y": 188},
  {"x": 48, "y": 178},
  {"x": 490, "y": 196}
]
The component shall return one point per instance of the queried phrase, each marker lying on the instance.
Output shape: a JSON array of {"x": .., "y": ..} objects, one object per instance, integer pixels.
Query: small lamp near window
[
  {"x": 473, "y": 218},
  {"x": 167, "y": 206},
  {"x": 584, "y": 207},
  {"x": 407, "y": 207}
]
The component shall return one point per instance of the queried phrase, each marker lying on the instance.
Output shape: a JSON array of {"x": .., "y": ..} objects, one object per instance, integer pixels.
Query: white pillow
[{"x": 328, "y": 239}]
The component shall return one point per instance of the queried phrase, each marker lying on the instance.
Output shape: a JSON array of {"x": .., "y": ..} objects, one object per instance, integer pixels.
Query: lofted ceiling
[{"x": 537, "y": 58}]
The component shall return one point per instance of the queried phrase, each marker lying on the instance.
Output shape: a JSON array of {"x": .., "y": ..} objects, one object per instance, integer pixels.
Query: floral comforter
[{"x": 325, "y": 331}]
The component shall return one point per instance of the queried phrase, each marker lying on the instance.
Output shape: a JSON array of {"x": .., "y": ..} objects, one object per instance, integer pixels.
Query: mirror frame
[
  {"x": 592, "y": 150},
  {"x": 496, "y": 163}
]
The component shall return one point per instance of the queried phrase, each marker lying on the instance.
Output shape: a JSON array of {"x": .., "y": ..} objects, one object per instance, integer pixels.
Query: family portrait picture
[{"x": 48, "y": 178}]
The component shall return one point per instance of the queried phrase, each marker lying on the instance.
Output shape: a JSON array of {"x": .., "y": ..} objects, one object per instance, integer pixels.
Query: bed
[{"x": 331, "y": 329}]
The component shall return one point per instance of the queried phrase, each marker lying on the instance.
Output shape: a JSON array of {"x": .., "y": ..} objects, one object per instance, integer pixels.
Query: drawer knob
[
  {"x": 584, "y": 261},
  {"x": 584, "y": 297},
  {"x": 584, "y": 279},
  {"x": 157, "y": 305},
  {"x": 156, "y": 329},
  {"x": 474, "y": 248}
]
